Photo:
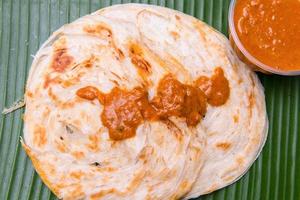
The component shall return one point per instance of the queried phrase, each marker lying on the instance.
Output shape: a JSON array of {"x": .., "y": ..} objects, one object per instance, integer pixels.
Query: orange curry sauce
[
  {"x": 125, "y": 110},
  {"x": 270, "y": 31}
]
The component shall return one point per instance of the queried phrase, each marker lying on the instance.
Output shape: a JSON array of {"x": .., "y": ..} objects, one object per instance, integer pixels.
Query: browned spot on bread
[
  {"x": 142, "y": 65},
  {"x": 252, "y": 80},
  {"x": 230, "y": 172},
  {"x": 137, "y": 56},
  {"x": 61, "y": 146},
  {"x": 51, "y": 170},
  {"x": 68, "y": 83},
  {"x": 40, "y": 138},
  {"x": 184, "y": 185},
  {"x": 106, "y": 169},
  {"x": 59, "y": 103},
  {"x": 102, "y": 193},
  {"x": 76, "y": 122},
  {"x": 71, "y": 81},
  {"x": 62, "y": 184},
  {"x": 53, "y": 96},
  {"x": 235, "y": 118},
  {"x": 174, "y": 129},
  {"x": 71, "y": 103},
  {"x": 82, "y": 114},
  {"x": 197, "y": 151},
  {"x": 199, "y": 28},
  {"x": 240, "y": 160},
  {"x": 76, "y": 174},
  {"x": 46, "y": 112},
  {"x": 145, "y": 153},
  {"x": 48, "y": 81},
  {"x": 116, "y": 75},
  {"x": 135, "y": 49},
  {"x": 29, "y": 94},
  {"x": 251, "y": 98},
  {"x": 39, "y": 167},
  {"x": 75, "y": 193},
  {"x": 61, "y": 60},
  {"x": 115, "y": 82},
  {"x": 175, "y": 35},
  {"x": 254, "y": 142},
  {"x": 64, "y": 83},
  {"x": 223, "y": 145},
  {"x": 89, "y": 62},
  {"x": 240, "y": 81},
  {"x": 102, "y": 30},
  {"x": 60, "y": 43},
  {"x": 120, "y": 53},
  {"x": 250, "y": 148},
  {"x": 228, "y": 178},
  {"x": 93, "y": 143},
  {"x": 177, "y": 17},
  {"x": 136, "y": 181},
  {"x": 78, "y": 154},
  {"x": 132, "y": 186},
  {"x": 176, "y": 65},
  {"x": 148, "y": 197},
  {"x": 234, "y": 66}
]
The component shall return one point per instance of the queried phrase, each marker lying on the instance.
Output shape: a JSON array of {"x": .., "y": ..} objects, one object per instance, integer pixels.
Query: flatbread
[
  {"x": 236, "y": 131},
  {"x": 68, "y": 144}
]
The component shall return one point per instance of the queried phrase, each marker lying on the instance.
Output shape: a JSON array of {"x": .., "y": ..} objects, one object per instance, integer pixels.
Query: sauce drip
[
  {"x": 270, "y": 31},
  {"x": 176, "y": 99},
  {"x": 124, "y": 110},
  {"x": 216, "y": 88},
  {"x": 90, "y": 93}
]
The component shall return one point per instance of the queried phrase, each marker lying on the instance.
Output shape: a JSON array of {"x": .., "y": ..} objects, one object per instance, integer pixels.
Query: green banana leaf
[{"x": 25, "y": 24}]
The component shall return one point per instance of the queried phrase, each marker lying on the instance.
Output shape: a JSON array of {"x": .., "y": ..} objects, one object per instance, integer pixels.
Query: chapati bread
[{"x": 70, "y": 147}]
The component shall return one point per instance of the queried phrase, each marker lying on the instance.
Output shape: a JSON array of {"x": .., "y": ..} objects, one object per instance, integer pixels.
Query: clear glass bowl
[{"x": 244, "y": 55}]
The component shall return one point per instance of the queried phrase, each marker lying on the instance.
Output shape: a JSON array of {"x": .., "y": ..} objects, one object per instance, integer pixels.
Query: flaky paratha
[{"x": 71, "y": 148}]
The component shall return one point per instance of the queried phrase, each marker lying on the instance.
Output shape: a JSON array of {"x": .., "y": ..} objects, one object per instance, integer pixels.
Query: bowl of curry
[{"x": 266, "y": 34}]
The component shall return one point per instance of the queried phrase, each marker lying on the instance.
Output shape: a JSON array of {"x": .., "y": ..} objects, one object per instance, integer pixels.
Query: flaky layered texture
[{"x": 70, "y": 147}]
